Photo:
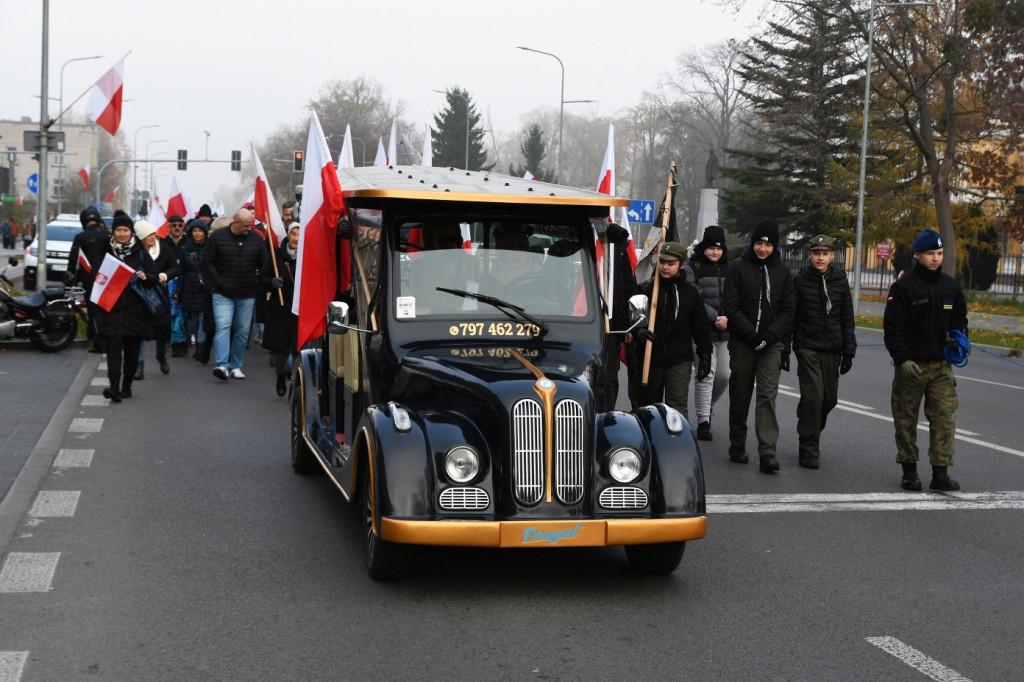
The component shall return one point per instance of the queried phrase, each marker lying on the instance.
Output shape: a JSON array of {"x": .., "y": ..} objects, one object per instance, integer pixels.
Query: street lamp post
[
  {"x": 864, "y": 144},
  {"x": 148, "y": 174},
  {"x": 135, "y": 155},
  {"x": 561, "y": 111},
  {"x": 466, "y": 100},
  {"x": 60, "y": 168}
]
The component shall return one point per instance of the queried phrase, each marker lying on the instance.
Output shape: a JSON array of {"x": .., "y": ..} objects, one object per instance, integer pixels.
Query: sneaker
[
  {"x": 738, "y": 455},
  {"x": 769, "y": 464},
  {"x": 236, "y": 373},
  {"x": 221, "y": 373},
  {"x": 704, "y": 431}
]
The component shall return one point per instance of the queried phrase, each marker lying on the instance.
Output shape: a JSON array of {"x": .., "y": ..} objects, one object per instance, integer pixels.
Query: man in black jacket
[
  {"x": 231, "y": 265},
  {"x": 87, "y": 250},
  {"x": 924, "y": 308},
  {"x": 759, "y": 302},
  {"x": 823, "y": 341}
]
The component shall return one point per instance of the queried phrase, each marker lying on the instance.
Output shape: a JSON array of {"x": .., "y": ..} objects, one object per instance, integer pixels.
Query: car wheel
[
  {"x": 385, "y": 561},
  {"x": 657, "y": 559},
  {"x": 303, "y": 460}
]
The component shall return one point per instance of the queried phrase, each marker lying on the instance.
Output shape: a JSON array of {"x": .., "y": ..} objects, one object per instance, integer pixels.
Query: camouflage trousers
[{"x": 938, "y": 388}]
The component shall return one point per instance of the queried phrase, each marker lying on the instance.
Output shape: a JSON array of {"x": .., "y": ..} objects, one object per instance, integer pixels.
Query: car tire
[
  {"x": 304, "y": 462},
  {"x": 385, "y": 561},
  {"x": 657, "y": 559}
]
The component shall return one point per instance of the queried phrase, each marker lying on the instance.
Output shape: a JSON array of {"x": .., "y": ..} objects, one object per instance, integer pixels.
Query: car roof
[{"x": 452, "y": 184}]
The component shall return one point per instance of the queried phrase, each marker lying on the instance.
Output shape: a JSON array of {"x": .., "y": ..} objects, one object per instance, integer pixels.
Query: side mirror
[
  {"x": 637, "y": 313},
  {"x": 337, "y": 317}
]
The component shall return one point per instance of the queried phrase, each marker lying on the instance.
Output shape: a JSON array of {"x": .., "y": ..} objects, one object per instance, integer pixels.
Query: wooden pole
[
  {"x": 273, "y": 259},
  {"x": 666, "y": 208}
]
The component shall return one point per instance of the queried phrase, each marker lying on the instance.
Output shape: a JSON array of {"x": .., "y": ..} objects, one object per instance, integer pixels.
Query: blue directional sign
[
  {"x": 33, "y": 183},
  {"x": 641, "y": 211}
]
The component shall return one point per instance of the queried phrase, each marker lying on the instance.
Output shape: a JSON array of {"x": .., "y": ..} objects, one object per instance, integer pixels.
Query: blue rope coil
[{"x": 957, "y": 356}]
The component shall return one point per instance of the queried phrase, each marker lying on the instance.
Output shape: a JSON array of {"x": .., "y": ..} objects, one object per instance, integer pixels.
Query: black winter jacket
[
  {"x": 710, "y": 279},
  {"x": 923, "y": 307},
  {"x": 824, "y": 312},
  {"x": 280, "y": 333},
  {"x": 90, "y": 243},
  {"x": 192, "y": 292},
  {"x": 759, "y": 298},
  {"x": 128, "y": 316},
  {"x": 680, "y": 321},
  {"x": 232, "y": 263}
]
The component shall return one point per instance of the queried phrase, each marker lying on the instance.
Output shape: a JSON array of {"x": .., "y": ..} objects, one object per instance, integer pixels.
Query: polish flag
[
  {"x": 159, "y": 218},
  {"x": 467, "y": 237},
  {"x": 630, "y": 245},
  {"x": 105, "y": 99},
  {"x": 267, "y": 211},
  {"x": 112, "y": 278},
  {"x": 316, "y": 276},
  {"x": 606, "y": 185},
  {"x": 529, "y": 176},
  {"x": 178, "y": 203},
  {"x": 84, "y": 174},
  {"x": 382, "y": 158},
  {"x": 110, "y": 197},
  {"x": 428, "y": 153},
  {"x": 83, "y": 262},
  {"x": 345, "y": 158},
  {"x": 393, "y": 145}
]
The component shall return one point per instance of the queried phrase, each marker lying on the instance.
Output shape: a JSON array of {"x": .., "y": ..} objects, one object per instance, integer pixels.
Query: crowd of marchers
[
  {"x": 202, "y": 290},
  {"x": 734, "y": 325}
]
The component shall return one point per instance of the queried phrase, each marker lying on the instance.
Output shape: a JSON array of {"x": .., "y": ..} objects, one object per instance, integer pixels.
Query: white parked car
[{"x": 59, "y": 233}]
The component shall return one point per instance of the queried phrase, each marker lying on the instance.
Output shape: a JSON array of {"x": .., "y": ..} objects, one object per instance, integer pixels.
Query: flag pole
[
  {"x": 87, "y": 90},
  {"x": 665, "y": 209},
  {"x": 273, "y": 259}
]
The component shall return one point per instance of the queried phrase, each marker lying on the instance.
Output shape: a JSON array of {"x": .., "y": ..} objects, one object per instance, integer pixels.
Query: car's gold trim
[{"x": 569, "y": 532}]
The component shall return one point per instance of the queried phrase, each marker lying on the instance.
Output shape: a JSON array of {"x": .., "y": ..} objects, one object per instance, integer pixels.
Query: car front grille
[
  {"x": 623, "y": 498},
  {"x": 464, "y": 499},
  {"x": 528, "y": 461}
]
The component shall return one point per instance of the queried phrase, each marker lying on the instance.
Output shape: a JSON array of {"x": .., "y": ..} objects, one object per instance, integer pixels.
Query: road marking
[
  {"x": 53, "y": 503},
  {"x": 857, "y": 405},
  {"x": 923, "y": 501},
  {"x": 73, "y": 458},
  {"x": 965, "y": 436},
  {"x": 83, "y": 425},
  {"x": 98, "y": 381},
  {"x": 28, "y": 571},
  {"x": 12, "y": 665},
  {"x": 94, "y": 401},
  {"x": 917, "y": 660},
  {"x": 990, "y": 383}
]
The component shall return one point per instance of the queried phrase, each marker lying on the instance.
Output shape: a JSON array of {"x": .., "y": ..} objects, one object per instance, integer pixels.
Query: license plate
[{"x": 59, "y": 267}]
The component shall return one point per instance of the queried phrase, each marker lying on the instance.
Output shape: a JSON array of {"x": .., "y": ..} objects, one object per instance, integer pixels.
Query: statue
[{"x": 711, "y": 170}]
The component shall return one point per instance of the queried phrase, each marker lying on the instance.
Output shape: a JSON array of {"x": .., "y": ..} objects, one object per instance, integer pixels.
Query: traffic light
[
  {"x": 236, "y": 160},
  {"x": 182, "y": 159},
  {"x": 297, "y": 162}
]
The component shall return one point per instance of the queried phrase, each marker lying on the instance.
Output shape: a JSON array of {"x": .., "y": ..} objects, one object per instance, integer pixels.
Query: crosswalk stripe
[
  {"x": 67, "y": 457},
  {"x": 12, "y": 665},
  {"x": 28, "y": 571},
  {"x": 54, "y": 503},
  {"x": 85, "y": 425},
  {"x": 923, "y": 501},
  {"x": 917, "y": 660}
]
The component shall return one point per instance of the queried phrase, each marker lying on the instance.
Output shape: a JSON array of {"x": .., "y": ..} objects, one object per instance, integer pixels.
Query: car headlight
[
  {"x": 33, "y": 251},
  {"x": 624, "y": 465},
  {"x": 462, "y": 464}
]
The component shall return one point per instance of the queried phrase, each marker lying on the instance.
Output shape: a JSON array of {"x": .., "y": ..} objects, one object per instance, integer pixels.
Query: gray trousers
[
  {"x": 749, "y": 368},
  {"x": 818, "y": 372},
  {"x": 707, "y": 392}
]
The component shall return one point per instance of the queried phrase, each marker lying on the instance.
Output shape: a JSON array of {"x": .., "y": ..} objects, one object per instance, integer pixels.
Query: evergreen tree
[
  {"x": 449, "y": 134},
  {"x": 533, "y": 150},
  {"x": 799, "y": 78}
]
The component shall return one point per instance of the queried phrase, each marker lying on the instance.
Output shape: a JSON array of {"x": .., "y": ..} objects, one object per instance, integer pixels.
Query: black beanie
[
  {"x": 766, "y": 230},
  {"x": 713, "y": 236},
  {"x": 122, "y": 218},
  {"x": 90, "y": 215}
]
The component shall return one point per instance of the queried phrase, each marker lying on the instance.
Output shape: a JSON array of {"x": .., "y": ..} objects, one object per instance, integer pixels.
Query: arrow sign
[{"x": 33, "y": 183}]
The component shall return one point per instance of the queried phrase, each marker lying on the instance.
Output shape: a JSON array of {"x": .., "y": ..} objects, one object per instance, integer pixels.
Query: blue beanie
[{"x": 928, "y": 240}]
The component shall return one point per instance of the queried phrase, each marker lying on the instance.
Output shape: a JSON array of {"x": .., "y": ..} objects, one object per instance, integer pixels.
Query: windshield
[
  {"x": 535, "y": 267},
  {"x": 61, "y": 233}
]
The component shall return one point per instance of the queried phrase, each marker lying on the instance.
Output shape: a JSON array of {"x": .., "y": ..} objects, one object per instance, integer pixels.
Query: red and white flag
[
  {"x": 83, "y": 262},
  {"x": 345, "y": 157},
  {"x": 467, "y": 237},
  {"x": 382, "y": 158},
  {"x": 110, "y": 197},
  {"x": 606, "y": 185},
  {"x": 105, "y": 99},
  {"x": 393, "y": 144},
  {"x": 606, "y": 181},
  {"x": 177, "y": 204},
  {"x": 267, "y": 211},
  {"x": 529, "y": 176},
  {"x": 84, "y": 174},
  {"x": 159, "y": 218},
  {"x": 630, "y": 245},
  {"x": 111, "y": 279},
  {"x": 317, "y": 276}
]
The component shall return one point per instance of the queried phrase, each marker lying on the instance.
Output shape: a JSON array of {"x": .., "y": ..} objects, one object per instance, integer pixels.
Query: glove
[
  {"x": 703, "y": 366},
  {"x": 784, "y": 362},
  {"x": 952, "y": 343},
  {"x": 617, "y": 234},
  {"x": 277, "y": 282},
  {"x": 846, "y": 364},
  {"x": 645, "y": 334},
  {"x": 759, "y": 342},
  {"x": 345, "y": 230},
  {"x": 910, "y": 370}
]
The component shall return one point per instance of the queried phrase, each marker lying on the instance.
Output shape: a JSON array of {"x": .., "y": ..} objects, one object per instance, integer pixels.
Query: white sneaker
[
  {"x": 236, "y": 373},
  {"x": 221, "y": 373}
]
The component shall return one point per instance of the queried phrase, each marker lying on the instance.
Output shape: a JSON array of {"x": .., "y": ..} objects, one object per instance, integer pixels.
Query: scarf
[{"x": 121, "y": 251}]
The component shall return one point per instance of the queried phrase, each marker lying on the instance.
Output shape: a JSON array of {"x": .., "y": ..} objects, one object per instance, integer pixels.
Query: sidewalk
[{"x": 992, "y": 323}]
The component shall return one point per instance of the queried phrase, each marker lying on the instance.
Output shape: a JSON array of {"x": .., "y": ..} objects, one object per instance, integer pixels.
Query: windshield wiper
[{"x": 510, "y": 310}]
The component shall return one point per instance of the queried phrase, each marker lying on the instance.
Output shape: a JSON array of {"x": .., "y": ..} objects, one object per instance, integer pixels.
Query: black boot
[
  {"x": 164, "y": 367},
  {"x": 113, "y": 394},
  {"x": 704, "y": 431},
  {"x": 140, "y": 373},
  {"x": 281, "y": 387},
  {"x": 738, "y": 455},
  {"x": 910, "y": 479},
  {"x": 941, "y": 480},
  {"x": 126, "y": 387},
  {"x": 204, "y": 352},
  {"x": 769, "y": 464}
]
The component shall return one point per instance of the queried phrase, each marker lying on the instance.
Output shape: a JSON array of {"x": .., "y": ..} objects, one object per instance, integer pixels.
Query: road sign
[
  {"x": 33, "y": 183},
  {"x": 883, "y": 251},
  {"x": 641, "y": 211}
]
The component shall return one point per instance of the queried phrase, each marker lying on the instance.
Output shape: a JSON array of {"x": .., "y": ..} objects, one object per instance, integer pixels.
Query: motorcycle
[{"x": 48, "y": 318}]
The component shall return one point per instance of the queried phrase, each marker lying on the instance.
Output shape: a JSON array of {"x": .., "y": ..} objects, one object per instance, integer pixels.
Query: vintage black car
[{"x": 453, "y": 397}]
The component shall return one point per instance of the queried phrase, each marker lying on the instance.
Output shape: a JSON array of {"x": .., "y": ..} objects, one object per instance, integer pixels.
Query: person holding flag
[
  {"x": 83, "y": 260},
  {"x": 281, "y": 328}
]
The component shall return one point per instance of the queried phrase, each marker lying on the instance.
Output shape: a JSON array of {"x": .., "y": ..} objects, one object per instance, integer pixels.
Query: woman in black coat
[
  {"x": 193, "y": 296},
  {"x": 164, "y": 263},
  {"x": 281, "y": 327},
  {"x": 126, "y": 324}
]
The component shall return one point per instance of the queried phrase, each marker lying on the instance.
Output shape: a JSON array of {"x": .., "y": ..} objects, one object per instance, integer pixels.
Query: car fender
[{"x": 677, "y": 473}]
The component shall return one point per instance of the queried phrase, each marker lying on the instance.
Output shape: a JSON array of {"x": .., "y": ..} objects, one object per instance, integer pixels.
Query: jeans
[
  {"x": 233, "y": 318},
  {"x": 194, "y": 325}
]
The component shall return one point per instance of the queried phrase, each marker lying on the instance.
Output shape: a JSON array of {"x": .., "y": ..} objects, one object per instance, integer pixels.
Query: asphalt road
[{"x": 170, "y": 540}]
